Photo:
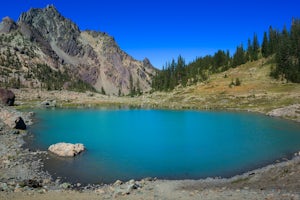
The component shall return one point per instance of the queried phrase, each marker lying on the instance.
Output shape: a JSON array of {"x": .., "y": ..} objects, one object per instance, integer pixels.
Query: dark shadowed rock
[
  {"x": 31, "y": 183},
  {"x": 20, "y": 124},
  {"x": 7, "y": 97}
]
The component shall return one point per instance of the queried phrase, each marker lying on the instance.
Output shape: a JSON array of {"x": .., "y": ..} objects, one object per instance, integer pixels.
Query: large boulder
[
  {"x": 7, "y": 97},
  {"x": 19, "y": 123},
  {"x": 12, "y": 119},
  {"x": 66, "y": 149}
]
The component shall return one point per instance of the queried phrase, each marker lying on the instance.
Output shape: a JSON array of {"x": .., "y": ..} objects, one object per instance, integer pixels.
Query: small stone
[
  {"x": 18, "y": 189},
  {"x": 46, "y": 181},
  {"x": 130, "y": 187},
  {"x": 48, "y": 103},
  {"x": 11, "y": 183},
  {"x": 65, "y": 185},
  {"x": 15, "y": 132},
  {"x": 7, "y": 162},
  {"x": 118, "y": 183},
  {"x": 100, "y": 191},
  {"x": 148, "y": 179},
  {"x": 31, "y": 114},
  {"x": 32, "y": 183},
  {"x": 42, "y": 191},
  {"x": 4, "y": 187},
  {"x": 132, "y": 181}
]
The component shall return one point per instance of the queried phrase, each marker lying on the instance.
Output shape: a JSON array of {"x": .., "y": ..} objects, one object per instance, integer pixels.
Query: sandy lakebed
[{"x": 22, "y": 177}]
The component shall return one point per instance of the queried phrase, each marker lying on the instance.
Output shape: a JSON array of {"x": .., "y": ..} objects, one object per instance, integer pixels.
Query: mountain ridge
[{"x": 91, "y": 57}]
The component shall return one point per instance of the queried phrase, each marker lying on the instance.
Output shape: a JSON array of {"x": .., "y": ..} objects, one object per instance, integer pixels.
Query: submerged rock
[{"x": 66, "y": 149}]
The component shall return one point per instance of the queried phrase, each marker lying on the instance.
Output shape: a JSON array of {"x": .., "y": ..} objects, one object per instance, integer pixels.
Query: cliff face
[{"x": 45, "y": 37}]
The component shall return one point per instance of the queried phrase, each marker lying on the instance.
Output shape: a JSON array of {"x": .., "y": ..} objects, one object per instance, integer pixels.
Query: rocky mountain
[{"x": 44, "y": 49}]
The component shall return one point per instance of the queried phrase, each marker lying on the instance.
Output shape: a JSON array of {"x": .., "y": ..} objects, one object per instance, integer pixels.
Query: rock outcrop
[
  {"x": 7, "y": 25},
  {"x": 44, "y": 36},
  {"x": 291, "y": 112},
  {"x": 66, "y": 149},
  {"x": 7, "y": 97}
]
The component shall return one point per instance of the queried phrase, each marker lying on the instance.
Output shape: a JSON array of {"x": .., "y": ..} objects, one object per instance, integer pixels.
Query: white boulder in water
[{"x": 66, "y": 149}]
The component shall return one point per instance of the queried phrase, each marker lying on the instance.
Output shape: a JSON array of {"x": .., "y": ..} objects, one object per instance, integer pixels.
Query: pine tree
[
  {"x": 138, "y": 90},
  {"x": 273, "y": 41},
  {"x": 249, "y": 54},
  {"x": 239, "y": 56},
  {"x": 256, "y": 47},
  {"x": 103, "y": 91},
  {"x": 131, "y": 88},
  {"x": 283, "y": 57},
  {"x": 265, "y": 46}
]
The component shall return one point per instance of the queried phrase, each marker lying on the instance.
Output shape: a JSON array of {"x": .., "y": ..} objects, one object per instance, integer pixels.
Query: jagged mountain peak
[
  {"x": 92, "y": 57},
  {"x": 49, "y": 10},
  {"x": 49, "y": 23},
  {"x": 7, "y": 25}
]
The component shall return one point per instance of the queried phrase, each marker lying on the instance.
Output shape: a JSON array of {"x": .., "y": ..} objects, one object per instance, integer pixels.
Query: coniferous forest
[{"x": 283, "y": 46}]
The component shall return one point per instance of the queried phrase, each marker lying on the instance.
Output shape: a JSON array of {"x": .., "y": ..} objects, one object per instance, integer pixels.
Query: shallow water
[{"x": 133, "y": 144}]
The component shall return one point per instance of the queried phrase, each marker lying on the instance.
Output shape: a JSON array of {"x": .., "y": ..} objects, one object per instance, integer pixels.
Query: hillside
[
  {"x": 43, "y": 42},
  {"x": 258, "y": 92}
]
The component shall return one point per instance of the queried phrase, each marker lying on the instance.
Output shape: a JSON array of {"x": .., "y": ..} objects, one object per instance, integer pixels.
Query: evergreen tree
[
  {"x": 239, "y": 56},
  {"x": 273, "y": 41},
  {"x": 255, "y": 46},
  {"x": 282, "y": 56},
  {"x": 131, "y": 87},
  {"x": 138, "y": 90},
  {"x": 249, "y": 54},
  {"x": 220, "y": 59},
  {"x": 265, "y": 46},
  {"x": 103, "y": 91}
]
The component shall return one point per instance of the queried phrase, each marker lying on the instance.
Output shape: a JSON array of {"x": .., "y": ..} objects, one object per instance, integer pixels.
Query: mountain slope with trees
[{"x": 282, "y": 45}]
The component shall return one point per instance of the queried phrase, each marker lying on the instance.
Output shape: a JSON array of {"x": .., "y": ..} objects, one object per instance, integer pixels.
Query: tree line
[{"x": 285, "y": 45}]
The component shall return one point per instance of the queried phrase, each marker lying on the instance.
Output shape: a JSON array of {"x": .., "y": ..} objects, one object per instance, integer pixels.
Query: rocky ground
[
  {"x": 279, "y": 181},
  {"x": 21, "y": 176}
]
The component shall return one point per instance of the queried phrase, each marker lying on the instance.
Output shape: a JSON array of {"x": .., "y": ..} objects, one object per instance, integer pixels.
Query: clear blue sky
[{"x": 161, "y": 29}]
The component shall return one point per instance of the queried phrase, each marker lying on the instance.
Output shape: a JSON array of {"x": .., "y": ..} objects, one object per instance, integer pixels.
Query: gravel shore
[{"x": 21, "y": 177}]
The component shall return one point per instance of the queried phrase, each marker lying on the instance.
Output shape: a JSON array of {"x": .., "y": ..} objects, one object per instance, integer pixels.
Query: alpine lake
[{"x": 124, "y": 144}]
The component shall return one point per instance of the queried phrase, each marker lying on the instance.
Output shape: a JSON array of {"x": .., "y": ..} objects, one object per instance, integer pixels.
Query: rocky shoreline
[{"x": 21, "y": 176}]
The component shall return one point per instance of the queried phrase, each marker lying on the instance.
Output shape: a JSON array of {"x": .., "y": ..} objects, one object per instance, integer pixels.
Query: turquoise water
[{"x": 133, "y": 144}]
